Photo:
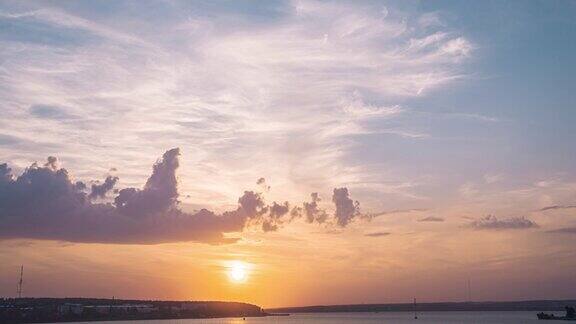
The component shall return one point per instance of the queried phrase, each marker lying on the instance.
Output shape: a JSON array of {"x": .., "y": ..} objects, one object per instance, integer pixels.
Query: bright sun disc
[{"x": 237, "y": 271}]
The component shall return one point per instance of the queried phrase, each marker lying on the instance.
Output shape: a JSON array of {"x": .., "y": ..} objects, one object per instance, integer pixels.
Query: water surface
[{"x": 348, "y": 318}]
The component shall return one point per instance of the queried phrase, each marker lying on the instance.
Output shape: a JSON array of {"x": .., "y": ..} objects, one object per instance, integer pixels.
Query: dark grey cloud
[
  {"x": 557, "y": 207},
  {"x": 45, "y": 203},
  {"x": 431, "y": 219},
  {"x": 377, "y": 234},
  {"x": 160, "y": 193},
  {"x": 492, "y": 222},
  {"x": 100, "y": 190},
  {"x": 311, "y": 210},
  {"x": 279, "y": 210},
  {"x": 52, "y": 163},
  {"x": 346, "y": 208},
  {"x": 276, "y": 216}
]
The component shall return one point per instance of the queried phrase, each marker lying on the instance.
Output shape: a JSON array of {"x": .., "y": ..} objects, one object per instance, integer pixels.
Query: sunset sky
[{"x": 288, "y": 152}]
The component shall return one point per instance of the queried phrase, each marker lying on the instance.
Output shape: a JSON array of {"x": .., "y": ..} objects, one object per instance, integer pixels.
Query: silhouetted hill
[
  {"x": 40, "y": 310},
  {"x": 529, "y": 305}
]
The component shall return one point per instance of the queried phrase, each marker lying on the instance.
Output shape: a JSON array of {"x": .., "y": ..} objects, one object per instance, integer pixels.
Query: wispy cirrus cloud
[
  {"x": 556, "y": 207},
  {"x": 431, "y": 219},
  {"x": 289, "y": 93},
  {"x": 377, "y": 234},
  {"x": 564, "y": 230}
]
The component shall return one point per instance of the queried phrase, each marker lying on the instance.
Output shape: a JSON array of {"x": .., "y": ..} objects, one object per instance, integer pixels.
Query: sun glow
[{"x": 237, "y": 271}]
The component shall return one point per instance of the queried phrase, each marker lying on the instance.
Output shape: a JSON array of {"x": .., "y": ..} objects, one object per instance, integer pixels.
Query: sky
[{"x": 288, "y": 153}]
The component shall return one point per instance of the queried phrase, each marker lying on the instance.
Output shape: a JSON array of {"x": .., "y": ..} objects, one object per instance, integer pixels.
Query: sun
[{"x": 237, "y": 271}]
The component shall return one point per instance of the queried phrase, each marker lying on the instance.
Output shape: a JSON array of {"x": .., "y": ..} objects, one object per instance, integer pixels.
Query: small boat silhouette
[{"x": 570, "y": 315}]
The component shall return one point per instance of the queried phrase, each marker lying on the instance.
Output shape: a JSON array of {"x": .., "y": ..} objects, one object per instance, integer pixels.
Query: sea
[{"x": 371, "y": 318}]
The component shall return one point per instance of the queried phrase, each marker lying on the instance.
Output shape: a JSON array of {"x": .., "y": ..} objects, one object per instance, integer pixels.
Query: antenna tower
[{"x": 21, "y": 281}]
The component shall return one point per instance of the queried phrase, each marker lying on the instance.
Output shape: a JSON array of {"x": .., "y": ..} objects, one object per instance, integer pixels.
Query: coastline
[
  {"x": 484, "y": 306},
  {"x": 62, "y": 310}
]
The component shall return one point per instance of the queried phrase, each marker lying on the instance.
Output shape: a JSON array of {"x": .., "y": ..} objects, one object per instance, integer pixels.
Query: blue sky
[{"x": 454, "y": 110}]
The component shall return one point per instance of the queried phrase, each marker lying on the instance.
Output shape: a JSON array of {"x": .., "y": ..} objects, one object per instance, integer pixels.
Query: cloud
[
  {"x": 565, "y": 230},
  {"x": 100, "y": 190},
  {"x": 50, "y": 112},
  {"x": 492, "y": 222},
  {"x": 262, "y": 183},
  {"x": 9, "y": 140},
  {"x": 277, "y": 210},
  {"x": 346, "y": 208},
  {"x": 160, "y": 192},
  {"x": 459, "y": 47},
  {"x": 492, "y": 178},
  {"x": 311, "y": 210},
  {"x": 229, "y": 86},
  {"x": 557, "y": 207},
  {"x": 45, "y": 203},
  {"x": 377, "y": 234},
  {"x": 275, "y": 216},
  {"x": 370, "y": 216},
  {"x": 431, "y": 219}
]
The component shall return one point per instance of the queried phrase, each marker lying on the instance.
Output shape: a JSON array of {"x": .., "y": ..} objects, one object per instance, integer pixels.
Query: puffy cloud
[
  {"x": 277, "y": 210},
  {"x": 274, "y": 219},
  {"x": 262, "y": 183},
  {"x": 312, "y": 211},
  {"x": 268, "y": 226},
  {"x": 252, "y": 204},
  {"x": 52, "y": 163},
  {"x": 346, "y": 208},
  {"x": 100, "y": 190},
  {"x": 45, "y": 203},
  {"x": 492, "y": 222},
  {"x": 160, "y": 192}
]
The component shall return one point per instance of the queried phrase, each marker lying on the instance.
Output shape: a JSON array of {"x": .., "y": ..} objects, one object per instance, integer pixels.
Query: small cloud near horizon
[
  {"x": 431, "y": 219},
  {"x": 557, "y": 207},
  {"x": 564, "y": 230},
  {"x": 492, "y": 222},
  {"x": 377, "y": 234}
]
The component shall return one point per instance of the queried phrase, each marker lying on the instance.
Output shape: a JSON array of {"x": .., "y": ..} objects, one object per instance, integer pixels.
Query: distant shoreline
[
  {"x": 63, "y": 310},
  {"x": 527, "y": 305},
  {"x": 127, "y": 319}
]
